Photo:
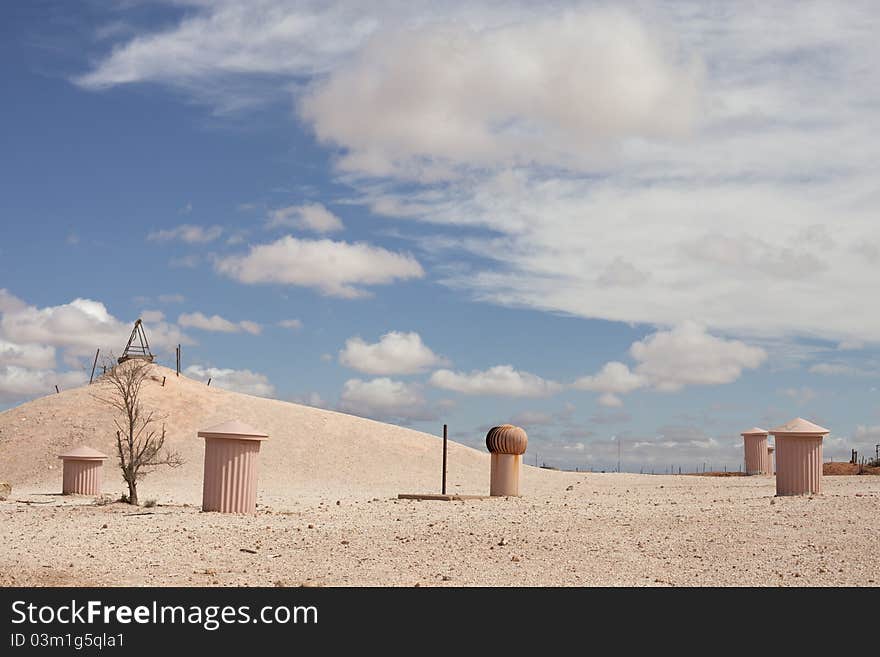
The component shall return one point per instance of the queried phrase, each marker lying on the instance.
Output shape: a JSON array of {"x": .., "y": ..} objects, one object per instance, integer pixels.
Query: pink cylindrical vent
[
  {"x": 756, "y": 454},
  {"x": 799, "y": 457},
  {"x": 504, "y": 476},
  {"x": 798, "y": 465},
  {"x": 82, "y": 477},
  {"x": 82, "y": 471},
  {"x": 230, "y": 479}
]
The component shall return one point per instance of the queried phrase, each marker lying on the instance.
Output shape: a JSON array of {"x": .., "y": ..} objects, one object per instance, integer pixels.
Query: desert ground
[{"x": 328, "y": 515}]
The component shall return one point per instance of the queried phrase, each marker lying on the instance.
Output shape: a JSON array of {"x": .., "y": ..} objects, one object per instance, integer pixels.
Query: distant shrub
[{"x": 149, "y": 504}]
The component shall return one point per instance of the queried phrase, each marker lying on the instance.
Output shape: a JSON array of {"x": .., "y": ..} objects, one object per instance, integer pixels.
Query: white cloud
[
  {"x": 395, "y": 353},
  {"x": 171, "y": 298},
  {"x": 189, "y": 233},
  {"x": 244, "y": 381},
  {"x": 311, "y": 216},
  {"x": 292, "y": 324},
  {"x": 668, "y": 360},
  {"x": 384, "y": 399},
  {"x": 688, "y": 355},
  {"x": 621, "y": 273},
  {"x": 502, "y": 380},
  {"x": 27, "y": 355},
  {"x": 32, "y": 338},
  {"x": 21, "y": 383},
  {"x": 614, "y": 377},
  {"x": 78, "y": 327},
  {"x": 604, "y": 213},
  {"x": 522, "y": 92},
  {"x": 250, "y": 327},
  {"x": 610, "y": 400},
  {"x": 333, "y": 268},
  {"x": 218, "y": 324}
]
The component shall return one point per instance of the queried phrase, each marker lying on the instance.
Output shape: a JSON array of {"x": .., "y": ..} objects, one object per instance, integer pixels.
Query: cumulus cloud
[
  {"x": 395, "y": 353},
  {"x": 244, "y": 381},
  {"x": 610, "y": 400},
  {"x": 630, "y": 187},
  {"x": 311, "y": 216},
  {"x": 32, "y": 338},
  {"x": 78, "y": 327},
  {"x": 292, "y": 324},
  {"x": 501, "y": 380},
  {"x": 668, "y": 360},
  {"x": 218, "y": 324},
  {"x": 189, "y": 233},
  {"x": 384, "y": 399},
  {"x": 614, "y": 377},
  {"x": 22, "y": 383},
  {"x": 36, "y": 356},
  {"x": 550, "y": 90},
  {"x": 688, "y": 355},
  {"x": 333, "y": 268}
]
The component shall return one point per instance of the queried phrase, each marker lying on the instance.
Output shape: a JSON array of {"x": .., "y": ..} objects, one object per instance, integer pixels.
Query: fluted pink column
[
  {"x": 507, "y": 444},
  {"x": 755, "y": 451},
  {"x": 82, "y": 471},
  {"x": 799, "y": 457},
  {"x": 230, "y": 479}
]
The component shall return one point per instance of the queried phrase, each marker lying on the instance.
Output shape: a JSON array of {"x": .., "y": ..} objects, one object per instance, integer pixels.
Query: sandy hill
[{"x": 310, "y": 453}]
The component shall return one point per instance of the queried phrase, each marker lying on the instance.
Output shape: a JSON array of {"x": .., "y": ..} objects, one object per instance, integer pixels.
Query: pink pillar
[
  {"x": 507, "y": 444},
  {"x": 755, "y": 451},
  {"x": 799, "y": 457},
  {"x": 82, "y": 471},
  {"x": 230, "y": 479},
  {"x": 770, "y": 469}
]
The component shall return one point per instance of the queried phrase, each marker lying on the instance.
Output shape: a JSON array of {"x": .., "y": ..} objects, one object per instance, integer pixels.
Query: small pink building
[
  {"x": 230, "y": 479},
  {"x": 83, "y": 468},
  {"x": 506, "y": 444},
  {"x": 799, "y": 457},
  {"x": 755, "y": 451}
]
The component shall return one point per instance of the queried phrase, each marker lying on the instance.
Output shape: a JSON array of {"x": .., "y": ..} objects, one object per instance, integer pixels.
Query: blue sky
[{"x": 654, "y": 223}]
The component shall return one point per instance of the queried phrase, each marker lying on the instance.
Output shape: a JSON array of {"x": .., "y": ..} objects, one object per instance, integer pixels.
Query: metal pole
[
  {"x": 209, "y": 381},
  {"x": 445, "y": 440},
  {"x": 618, "y": 455},
  {"x": 57, "y": 390},
  {"x": 94, "y": 365}
]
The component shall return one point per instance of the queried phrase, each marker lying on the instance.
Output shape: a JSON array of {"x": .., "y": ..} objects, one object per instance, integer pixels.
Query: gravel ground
[{"x": 569, "y": 530}]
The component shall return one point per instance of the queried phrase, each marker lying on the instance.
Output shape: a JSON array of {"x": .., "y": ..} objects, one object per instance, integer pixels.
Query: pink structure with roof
[
  {"x": 755, "y": 451},
  {"x": 82, "y": 472},
  {"x": 799, "y": 457},
  {"x": 230, "y": 479}
]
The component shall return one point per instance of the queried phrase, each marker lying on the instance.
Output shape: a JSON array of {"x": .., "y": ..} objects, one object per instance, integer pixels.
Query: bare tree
[{"x": 140, "y": 444}]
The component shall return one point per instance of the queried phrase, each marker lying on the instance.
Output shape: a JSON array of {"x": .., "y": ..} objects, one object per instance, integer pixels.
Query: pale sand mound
[{"x": 310, "y": 452}]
